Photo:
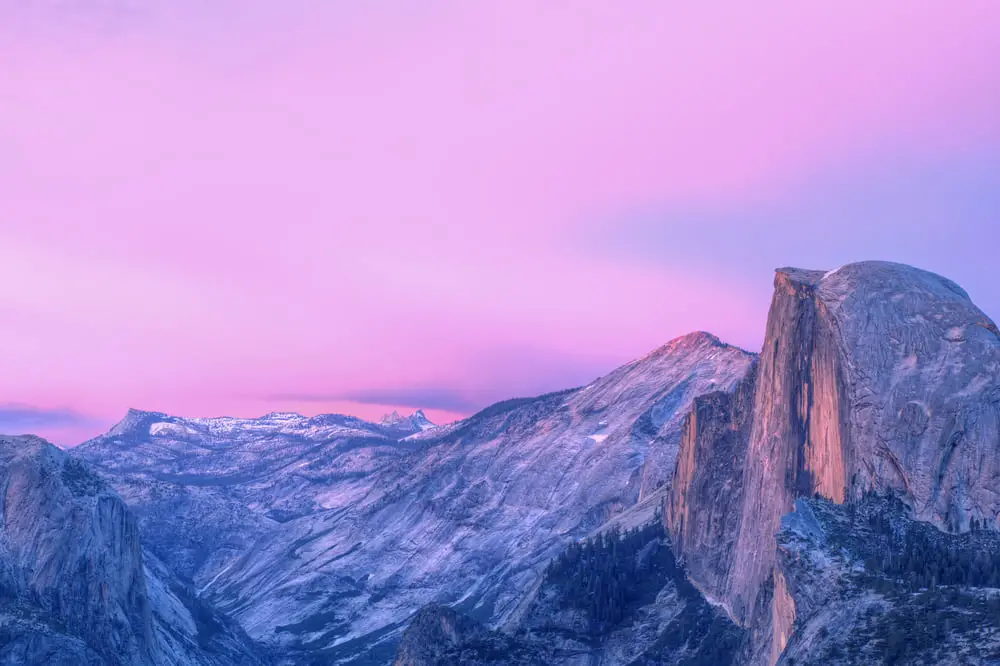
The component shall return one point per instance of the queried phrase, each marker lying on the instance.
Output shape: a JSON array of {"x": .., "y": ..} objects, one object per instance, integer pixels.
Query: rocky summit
[{"x": 832, "y": 500}]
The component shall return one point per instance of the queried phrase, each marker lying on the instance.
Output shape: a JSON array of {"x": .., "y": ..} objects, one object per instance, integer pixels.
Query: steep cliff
[
  {"x": 873, "y": 376},
  {"x": 71, "y": 547},
  {"x": 706, "y": 497},
  {"x": 74, "y": 581}
]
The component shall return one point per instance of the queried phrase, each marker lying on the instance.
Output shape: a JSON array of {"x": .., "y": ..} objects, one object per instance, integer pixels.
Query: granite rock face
[
  {"x": 705, "y": 502},
  {"x": 74, "y": 581},
  {"x": 876, "y": 376},
  {"x": 71, "y": 547},
  {"x": 921, "y": 366}
]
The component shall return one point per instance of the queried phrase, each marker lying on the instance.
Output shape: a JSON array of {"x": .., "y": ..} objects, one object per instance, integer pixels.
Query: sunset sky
[{"x": 234, "y": 207}]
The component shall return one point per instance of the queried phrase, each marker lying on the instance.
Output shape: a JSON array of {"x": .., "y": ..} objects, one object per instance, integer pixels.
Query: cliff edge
[{"x": 875, "y": 376}]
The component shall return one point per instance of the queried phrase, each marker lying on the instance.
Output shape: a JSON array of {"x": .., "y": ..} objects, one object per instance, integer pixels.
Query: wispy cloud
[
  {"x": 21, "y": 417},
  {"x": 423, "y": 397},
  {"x": 497, "y": 373}
]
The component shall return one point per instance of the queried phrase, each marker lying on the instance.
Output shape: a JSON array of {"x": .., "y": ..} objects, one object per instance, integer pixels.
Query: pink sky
[{"x": 239, "y": 207}]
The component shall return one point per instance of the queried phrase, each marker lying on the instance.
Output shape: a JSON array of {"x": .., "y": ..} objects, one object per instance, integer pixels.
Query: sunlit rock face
[
  {"x": 873, "y": 376},
  {"x": 796, "y": 445},
  {"x": 922, "y": 391},
  {"x": 705, "y": 502}
]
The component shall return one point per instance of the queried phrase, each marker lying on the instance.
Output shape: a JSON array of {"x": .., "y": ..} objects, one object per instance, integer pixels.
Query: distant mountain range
[{"x": 832, "y": 500}]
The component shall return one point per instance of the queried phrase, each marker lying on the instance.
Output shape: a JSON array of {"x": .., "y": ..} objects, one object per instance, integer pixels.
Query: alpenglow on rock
[{"x": 876, "y": 376}]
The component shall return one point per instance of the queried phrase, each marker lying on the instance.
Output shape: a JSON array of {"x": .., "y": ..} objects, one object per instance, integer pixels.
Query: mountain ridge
[
  {"x": 390, "y": 425},
  {"x": 325, "y": 535},
  {"x": 468, "y": 492}
]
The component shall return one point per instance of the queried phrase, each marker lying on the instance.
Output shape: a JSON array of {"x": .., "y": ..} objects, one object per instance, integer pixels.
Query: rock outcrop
[
  {"x": 876, "y": 376},
  {"x": 74, "y": 581},
  {"x": 872, "y": 585},
  {"x": 71, "y": 547},
  {"x": 617, "y": 598},
  {"x": 440, "y": 636},
  {"x": 706, "y": 497}
]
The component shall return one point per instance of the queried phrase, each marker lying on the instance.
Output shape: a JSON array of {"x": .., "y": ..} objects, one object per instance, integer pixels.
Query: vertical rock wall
[
  {"x": 703, "y": 509},
  {"x": 73, "y": 545},
  {"x": 796, "y": 445},
  {"x": 875, "y": 375}
]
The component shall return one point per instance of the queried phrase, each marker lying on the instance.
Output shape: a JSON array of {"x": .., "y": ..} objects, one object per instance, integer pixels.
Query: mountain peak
[
  {"x": 18, "y": 446},
  {"x": 420, "y": 420},
  {"x": 696, "y": 338},
  {"x": 142, "y": 413},
  {"x": 391, "y": 419},
  {"x": 276, "y": 416},
  {"x": 415, "y": 422},
  {"x": 700, "y": 341},
  {"x": 134, "y": 418},
  {"x": 871, "y": 347}
]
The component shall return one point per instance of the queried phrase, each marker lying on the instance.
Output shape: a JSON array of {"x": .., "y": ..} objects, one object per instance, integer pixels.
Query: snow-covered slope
[
  {"x": 242, "y": 478},
  {"x": 325, "y": 535}
]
